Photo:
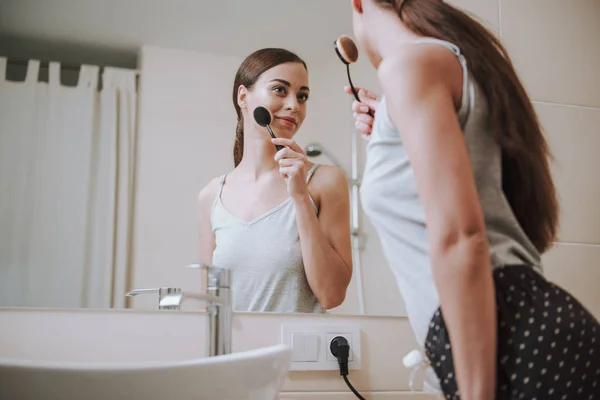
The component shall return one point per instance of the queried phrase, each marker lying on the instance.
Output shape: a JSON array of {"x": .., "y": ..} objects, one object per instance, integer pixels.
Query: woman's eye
[
  {"x": 279, "y": 89},
  {"x": 303, "y": 97}
]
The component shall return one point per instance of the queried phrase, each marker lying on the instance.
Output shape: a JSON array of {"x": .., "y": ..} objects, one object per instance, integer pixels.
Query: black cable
[
  {"x": 340, "y": 348},
  {"x": 352, "y": 388}
]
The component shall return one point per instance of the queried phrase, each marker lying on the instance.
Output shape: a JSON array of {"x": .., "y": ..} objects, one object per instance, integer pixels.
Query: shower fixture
[{"x": 317, "y": 149}]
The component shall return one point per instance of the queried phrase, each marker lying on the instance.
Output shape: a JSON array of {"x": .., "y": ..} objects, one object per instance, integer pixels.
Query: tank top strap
[
  {"x": 309, "y": 175},
  {"x": 468, "y": 92},
  {"x": 311, "y": 172},
  {"x": 221, "y": 184}
]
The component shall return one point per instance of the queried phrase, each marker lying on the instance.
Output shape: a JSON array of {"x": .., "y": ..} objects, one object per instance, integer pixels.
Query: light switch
[
  {"x": 305, "y": 347},
  {"x": 297, "y": 342},
  {"x": 311, "y": 348}
]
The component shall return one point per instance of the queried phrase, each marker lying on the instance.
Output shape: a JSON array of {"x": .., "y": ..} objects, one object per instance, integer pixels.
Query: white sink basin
[{"x": 250, "y": 375}]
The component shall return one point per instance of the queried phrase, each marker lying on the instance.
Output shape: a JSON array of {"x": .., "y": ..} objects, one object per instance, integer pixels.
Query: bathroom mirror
[{"x": 127, "y": 217}]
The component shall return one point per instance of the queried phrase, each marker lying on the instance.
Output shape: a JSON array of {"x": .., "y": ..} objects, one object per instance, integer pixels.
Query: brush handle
[
  {"x": 277, "y": 146},
  {"x": 354, "y": 89}
]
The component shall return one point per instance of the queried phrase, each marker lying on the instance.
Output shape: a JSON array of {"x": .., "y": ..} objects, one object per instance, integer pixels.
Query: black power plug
[{"x": 340, "y": 348}]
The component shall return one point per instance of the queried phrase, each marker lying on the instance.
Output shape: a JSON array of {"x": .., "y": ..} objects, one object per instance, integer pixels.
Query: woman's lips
[{"x": 287, "y": 120}]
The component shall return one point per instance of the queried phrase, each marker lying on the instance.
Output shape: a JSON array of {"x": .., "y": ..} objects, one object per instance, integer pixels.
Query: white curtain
[{"x": 66, "y": 187}]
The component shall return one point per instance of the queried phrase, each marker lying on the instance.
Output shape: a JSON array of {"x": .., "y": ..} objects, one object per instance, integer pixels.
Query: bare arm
[
  {"x": 325, "y": 241},
  {"x": 418, "y": 89},
  {"x": 206, "y": 235}
]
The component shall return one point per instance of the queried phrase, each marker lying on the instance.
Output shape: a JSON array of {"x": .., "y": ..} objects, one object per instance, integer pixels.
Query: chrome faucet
[
  {"x": 162, "y": 292},
  {"x": 218, "y": 305}
]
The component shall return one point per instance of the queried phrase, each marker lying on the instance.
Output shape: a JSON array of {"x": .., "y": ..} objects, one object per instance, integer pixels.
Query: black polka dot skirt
[{"x": 548, "y": 343}]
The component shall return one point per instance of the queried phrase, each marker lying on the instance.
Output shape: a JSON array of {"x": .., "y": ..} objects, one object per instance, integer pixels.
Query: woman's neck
[
  {"x": 259, "y": 155},
  {"x": 388, "y": 34}
]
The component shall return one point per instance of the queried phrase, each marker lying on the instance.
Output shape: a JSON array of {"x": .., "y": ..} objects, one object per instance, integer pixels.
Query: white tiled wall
[
  {"x": 555, "y": 46},
  {"x": 573, "y": 134}
]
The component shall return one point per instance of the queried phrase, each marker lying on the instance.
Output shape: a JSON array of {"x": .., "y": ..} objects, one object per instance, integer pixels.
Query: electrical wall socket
[
  {"x": 329, "y": 338},
  {"x": 302, "y": 338}
]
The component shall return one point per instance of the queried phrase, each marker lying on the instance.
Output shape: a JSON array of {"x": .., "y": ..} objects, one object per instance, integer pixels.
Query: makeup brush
[
  {"x": 263, "y": 117},
  {"x": 347, "y": 51}
]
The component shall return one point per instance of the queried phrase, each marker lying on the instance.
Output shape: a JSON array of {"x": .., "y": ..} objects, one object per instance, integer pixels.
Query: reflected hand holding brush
[
  {"x": 264, "y": 117},
  {"x": 347, "y": 51},
  {"x": 290, "y": 161}
]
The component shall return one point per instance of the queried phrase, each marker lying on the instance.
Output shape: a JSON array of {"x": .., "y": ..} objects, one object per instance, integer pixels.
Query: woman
[
  {"x": 457, "y": 184},
  {"x": 278, "y": 221}
]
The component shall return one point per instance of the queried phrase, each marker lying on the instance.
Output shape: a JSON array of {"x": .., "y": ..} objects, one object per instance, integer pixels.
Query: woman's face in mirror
[{"x": 284, "y": 90}]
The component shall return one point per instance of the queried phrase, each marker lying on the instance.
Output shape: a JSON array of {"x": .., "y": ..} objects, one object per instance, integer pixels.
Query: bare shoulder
[
  {"x": 419, "y": 66},
  {"x": 328, "y": 180},
  {"x": 209, "y": 192}
]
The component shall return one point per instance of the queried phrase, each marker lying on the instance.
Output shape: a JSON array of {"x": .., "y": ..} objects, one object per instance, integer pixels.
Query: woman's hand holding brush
[
  {"x": 293, "y": 167},
  {"x": 362, "y": 119}
]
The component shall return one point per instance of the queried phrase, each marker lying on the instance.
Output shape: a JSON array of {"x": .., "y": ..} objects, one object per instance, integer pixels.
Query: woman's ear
[
  {"x": 357, "y": 6},
  {"x": 241, "y": 96}
]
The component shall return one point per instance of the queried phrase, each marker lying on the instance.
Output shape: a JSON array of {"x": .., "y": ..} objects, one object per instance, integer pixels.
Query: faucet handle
[
  {"x": 175, "y": 299},
  {"x": 217, "y": 278},
  {"x": 171, "y": 300},
  {"x": 162, "y": 293}
]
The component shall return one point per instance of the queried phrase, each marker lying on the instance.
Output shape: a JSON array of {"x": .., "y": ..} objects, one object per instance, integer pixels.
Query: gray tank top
[
  {"x": 265, "y": 257},
  {"x": 391, "y": 202}
]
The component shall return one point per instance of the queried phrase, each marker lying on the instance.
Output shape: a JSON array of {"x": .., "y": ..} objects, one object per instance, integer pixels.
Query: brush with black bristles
[{"x": 263, "y": 117}]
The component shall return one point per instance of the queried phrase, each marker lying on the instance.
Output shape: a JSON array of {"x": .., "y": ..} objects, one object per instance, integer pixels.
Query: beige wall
[{"x": 186, "y": 125}]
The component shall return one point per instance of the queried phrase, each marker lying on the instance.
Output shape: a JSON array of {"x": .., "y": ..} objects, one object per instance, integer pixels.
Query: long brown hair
[
  {"x": 526, "y": 178},
  {"x": 248, "y": 73}
]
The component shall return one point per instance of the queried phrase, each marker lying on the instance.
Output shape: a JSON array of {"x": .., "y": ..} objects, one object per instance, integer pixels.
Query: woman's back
[{"x": 390, "y": 199}]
